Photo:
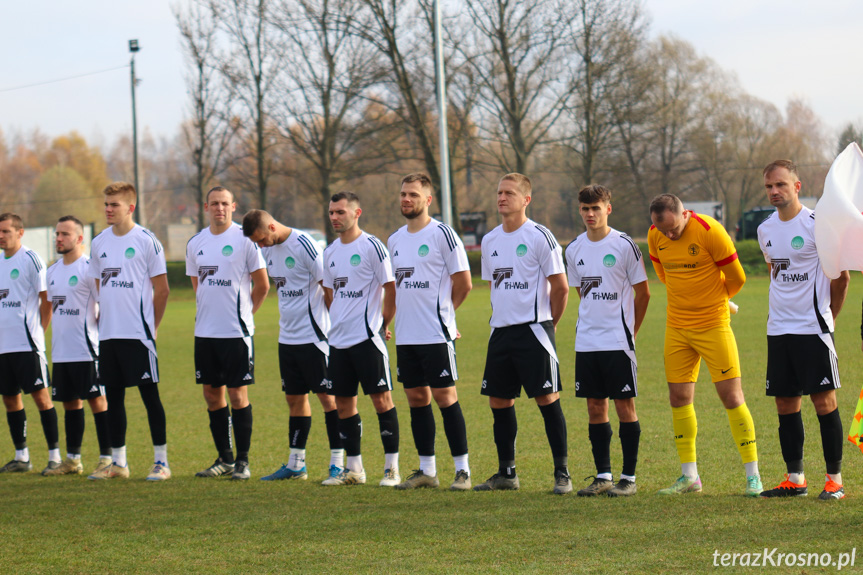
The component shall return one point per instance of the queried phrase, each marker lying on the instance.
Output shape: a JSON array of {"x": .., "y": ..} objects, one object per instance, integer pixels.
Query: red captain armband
[
  {"x": 654, "y": 259},
  {"x": 727, "y": 260}
]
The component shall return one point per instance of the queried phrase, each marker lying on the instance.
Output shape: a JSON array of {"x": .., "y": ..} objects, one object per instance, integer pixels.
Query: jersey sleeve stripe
[
  {"x": 35, "y": 259},
  {"x": 156, "y": 245},
  {"x": 727, "y": 260},
  {"x": 699, "y": 220},
  {"x": 656, "y": 259},
  {"x": 379, "y": 248},
  {"x": 552, "y": 243},
  {"x": 307, "y": 245},
  {"x": 634, "y": 247},
  {"x": 449, "y": 234}
]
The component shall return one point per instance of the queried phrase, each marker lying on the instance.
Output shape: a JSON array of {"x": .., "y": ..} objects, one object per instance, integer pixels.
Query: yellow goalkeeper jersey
[{"x": 691, "y": 268}]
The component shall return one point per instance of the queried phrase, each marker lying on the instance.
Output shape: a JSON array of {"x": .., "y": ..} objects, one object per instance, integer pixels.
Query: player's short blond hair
[
  {"x": 522, "y": 181},
  {"x": 122, "y": 189}
]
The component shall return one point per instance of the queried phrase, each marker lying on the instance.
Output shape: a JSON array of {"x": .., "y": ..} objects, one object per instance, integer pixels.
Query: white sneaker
[
  {"x": 159, "y": 472},
  {"x": 391, "y": 477},
  {"x": 346, "y": 477}
]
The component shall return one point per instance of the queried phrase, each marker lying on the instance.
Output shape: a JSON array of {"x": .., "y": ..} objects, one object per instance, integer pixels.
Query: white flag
[{"x": 838, "y": 217}]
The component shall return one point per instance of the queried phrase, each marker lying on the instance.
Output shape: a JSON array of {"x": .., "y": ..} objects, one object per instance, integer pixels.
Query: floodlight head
[{"x": 133, "y": 46}]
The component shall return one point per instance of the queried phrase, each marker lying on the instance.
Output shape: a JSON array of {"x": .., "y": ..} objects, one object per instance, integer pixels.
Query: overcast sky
[{"x": 778, "y": 49}]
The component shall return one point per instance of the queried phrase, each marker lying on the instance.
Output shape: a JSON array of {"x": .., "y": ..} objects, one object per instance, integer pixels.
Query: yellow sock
[
  {"x": 743, "y": 432},
  {"x": 685, "y": 430}
]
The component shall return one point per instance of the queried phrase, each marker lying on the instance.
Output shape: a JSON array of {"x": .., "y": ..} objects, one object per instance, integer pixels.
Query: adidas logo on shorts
[
  {"x": 94, "y": 389},
  {"x": 382, "y": 383},
  {"x": 248, "y": 377},
  {"x": 444, "y": 373},
  {"x": 825, "y": 381},
  {"x": 546, "y": 385},
  {"x": 626, "y": 388},
  {"x": 145, "y": 376},
  {"x": 39, "y": 381}
]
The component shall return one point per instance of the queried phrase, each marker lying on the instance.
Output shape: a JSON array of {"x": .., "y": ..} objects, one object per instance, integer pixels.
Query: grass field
[{"x": 69, "y": 524}]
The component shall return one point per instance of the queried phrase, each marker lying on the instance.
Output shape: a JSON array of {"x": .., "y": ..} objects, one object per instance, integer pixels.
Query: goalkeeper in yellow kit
[{"x": 696, "y": 260}]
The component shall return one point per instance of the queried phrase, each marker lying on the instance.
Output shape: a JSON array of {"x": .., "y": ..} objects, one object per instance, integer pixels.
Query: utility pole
[
  {"x": 140, "y": 215},
  {"x": 440, "y": 77}
]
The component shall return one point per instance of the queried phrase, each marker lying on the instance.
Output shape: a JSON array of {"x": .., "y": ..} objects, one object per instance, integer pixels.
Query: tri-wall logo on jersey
[
  {"x": 338, "y": 288},
  {"x": 58, "y": 308},
  {"x": 57, "y": 301},
  {"x": 780, "y": 266},
  {"x": 406, "y": 273},
  {"x": 500, "y": 275},
  {"x": 107, "y": 278},
  {"x": 4, "y": 293},
  {"x": 282, "y": 282},
  {"x": 204, "y": 273},
  {"x": 588, "y": 285}
]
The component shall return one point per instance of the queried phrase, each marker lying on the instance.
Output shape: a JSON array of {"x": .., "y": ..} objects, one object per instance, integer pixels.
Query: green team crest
[
  {"x": 423, "y": 251},
  {"x": 227, "y": 251},
  {"x": 797, "y": 242},
  {"x": 14, "y": 274},
  {"x": 130, "y": 253},
  {"x": 609, "y": 260},
  {"x": 290, "y": 263},
  {"x": 521, "y": 250},
  {"x": 73, "y": 281},
  {"x": 355, "y": 260}
]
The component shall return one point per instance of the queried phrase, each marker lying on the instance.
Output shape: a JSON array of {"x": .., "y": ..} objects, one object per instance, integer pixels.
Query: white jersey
[
  {"x": 799, "y": 290},
  {"x": 297, "y": 268},
  {"x": 605, "y": 272},
  {"x": 75, "y": 333},
  {"x": 223, "y": 264},
  {"x": 356, "y": 272},
  {"x": 22, "y": 279},
  {"x": 423, "y": 263},
  {"x": 124, "y": 265},
  {"x": 517, "y": 265}
]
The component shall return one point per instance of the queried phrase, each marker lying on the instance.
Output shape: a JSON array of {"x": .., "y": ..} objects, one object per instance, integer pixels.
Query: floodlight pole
[
  {"x": 440, "y": 78},
  {"x": 140, "y": 215}
]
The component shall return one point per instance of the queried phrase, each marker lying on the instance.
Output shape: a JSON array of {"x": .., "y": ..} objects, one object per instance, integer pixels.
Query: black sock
[
  {"x": 351, "y": 431},
  {"x": 791, "y": 437},
  {"x": 116, "y": 395},
  {"x": 242, "y": 419},
  {"x": 103, "y": 433},
  {"x": 331, "y": 418},
  {"x": 50, "y": 427},
  {"x": 220, "y": 428},
  {"x": 555, "y": 430},
  {"x": 505, "y": 430},
  {"x": 74, "y": 425},
  {"x": 629, "y": 433},
  {"x": 389, "y": 425},
  {"x": 423, "y": 428},
  {"x": 18, "y": 427},
  {"x": 454, "y": 427},
  {"x": 832, "y": 440},
  {"x": 600, "y": 443},
  {"x": 298, "y": 430},
  {"x": 155, "y": 413}
]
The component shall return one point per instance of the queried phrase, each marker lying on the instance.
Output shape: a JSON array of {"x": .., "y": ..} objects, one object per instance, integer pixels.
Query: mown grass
[{"x": 217, "y": 526}]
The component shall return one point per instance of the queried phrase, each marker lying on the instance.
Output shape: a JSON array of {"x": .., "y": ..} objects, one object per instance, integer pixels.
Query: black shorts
[
  {"x": 605, "y": 374},
  {"x": 517, "y": 358},
  {"x": 800, "y": 365},
  {"x": 127, "y": 363},
  {"x": 303, "y": 369},
  {"x": 25, "y": 371},
  {"x": 430, "y": 365},
  {"x": 364, "y": 364},
  {"x": 225, "y": 362},
  {"x": 75, "y": 380}
]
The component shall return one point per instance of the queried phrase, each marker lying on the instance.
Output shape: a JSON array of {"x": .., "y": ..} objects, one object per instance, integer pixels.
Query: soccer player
[
  {"x": 696, "y": 260},
  {"x": 127, "y": 263},
  {"x": 432, "y": 280},
  {"x": 523, "y": 263},
  {"x": 358, "y": 274},
  {"x": 605, "y": 267},
  {"x": 24, "y": 314},
  {"x": 297, "y": 267},
  {"x": 801, "y": 357},
  {"x": 75, "y": 346},
  {"x": 230, "y": 283}
]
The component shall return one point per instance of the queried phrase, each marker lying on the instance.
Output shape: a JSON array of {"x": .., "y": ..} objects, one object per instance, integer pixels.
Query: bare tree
[
  {"x": 209, "y": 130},
  {"x": 325, "y": 113}
]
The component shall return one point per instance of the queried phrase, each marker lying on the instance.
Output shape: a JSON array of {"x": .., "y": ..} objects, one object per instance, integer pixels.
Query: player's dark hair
[
  {"x": 666, "y": 203},
  {"x": 787, "y": 164},
  {"x": 253, "y": 221},
  {"x": 121, "y": 189},
  {"x": 422, "y": 178},
  {"x": 594, "y": 193},
  {"x": 522, "y": 181},
  {"x": 351, "y": 198},
  {"x": 17, "y": 222},
  {"x": 72, "y": 219},
  {"x": 218, "y": 189}
]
